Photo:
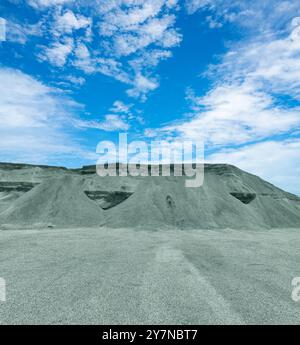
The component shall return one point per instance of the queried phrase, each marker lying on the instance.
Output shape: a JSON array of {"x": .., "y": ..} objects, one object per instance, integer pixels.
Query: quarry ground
[{"x": 121, "y": 276}]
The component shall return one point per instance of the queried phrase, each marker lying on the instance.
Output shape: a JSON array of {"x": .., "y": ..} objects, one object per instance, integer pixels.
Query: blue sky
[{"x": 75, "y": 72}]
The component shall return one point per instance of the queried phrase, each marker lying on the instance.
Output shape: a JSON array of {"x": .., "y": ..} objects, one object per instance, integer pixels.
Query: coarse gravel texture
[{"x": 123, "y": 276}]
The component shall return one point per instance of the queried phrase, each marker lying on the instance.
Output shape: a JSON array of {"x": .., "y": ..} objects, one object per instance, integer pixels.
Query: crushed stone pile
[
  {"x": 58, "y": 202},
  {"x": 229, "y": 198}
]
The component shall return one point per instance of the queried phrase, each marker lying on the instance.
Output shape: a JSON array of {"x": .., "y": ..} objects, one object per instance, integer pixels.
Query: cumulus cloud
[
  {"x": 275, "y": 161},
  {"x": 33, "y": 119}
]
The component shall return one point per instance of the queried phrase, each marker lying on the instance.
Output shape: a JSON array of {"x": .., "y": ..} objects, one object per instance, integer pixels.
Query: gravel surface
[{"x": 122, "y": 276}]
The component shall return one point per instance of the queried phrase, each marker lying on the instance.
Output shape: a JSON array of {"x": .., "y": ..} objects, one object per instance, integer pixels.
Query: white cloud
[
  {"x": 195, "y": 5},
  {"x": 122, "y": 39},
  {"x": 213, "y": 23},
  {"x": 236, "y": 114},
  {"x": 275, "y": 62},
  {"x": 246, "y": 105},
  {"x": 142, "y": 85},
  {"x": 149, "y": 58},
  {"x": 67, "y": 22},
  {"x": 78, "y": 81},
  {"x": 261, "y": 16},
  {"x": 120, "y": 19},
  {"x": 157, "y": 31},
  {"x": 107, "y": 66},
  {"x": 47, "y": 3},
  {"x": 142, "y": 32},
  {"x": 243, "y": 105},
  {"x": 112, "y": 68},
  {"x": 21, "y": 33},
  {"x": 125, "y": 110},
  {"x": 151, "y": 133},
  {"x": 120, "y": 107},
  {"x": 83, "y": 59},
  {"x": 33, "y": 120},
  {"x": 277, "y": 162},
  {"x": 25, "y": 102},
  {"x": 111, "y": 123},
  {"x": 58, "y": 52}
]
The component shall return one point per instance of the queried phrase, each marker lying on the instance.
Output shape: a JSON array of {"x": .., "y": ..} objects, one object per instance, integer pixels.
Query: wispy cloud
[
  {"x": 271, "y": 62},
  {"x": 78, "y": 81},
  {"x": 252, "y": 106},
  {"x": 111, "y": 123},
  {"x": 46, "y": 3},
  {"x": 122, "y": 39},
  {"x": 257, "y": 15},
  {"x": 21, "y": 32},
  {"x": 120, "y": 107},
  {"x": 238, "y": 113},
  {"x": 244, "y": 118},
  {"x": 245, "y": 103}
]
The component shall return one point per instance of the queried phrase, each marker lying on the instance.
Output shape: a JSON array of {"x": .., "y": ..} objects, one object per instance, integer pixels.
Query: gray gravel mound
[
  {"x": 229, "y": 198},
  {"x": 58, "y": 202}
]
